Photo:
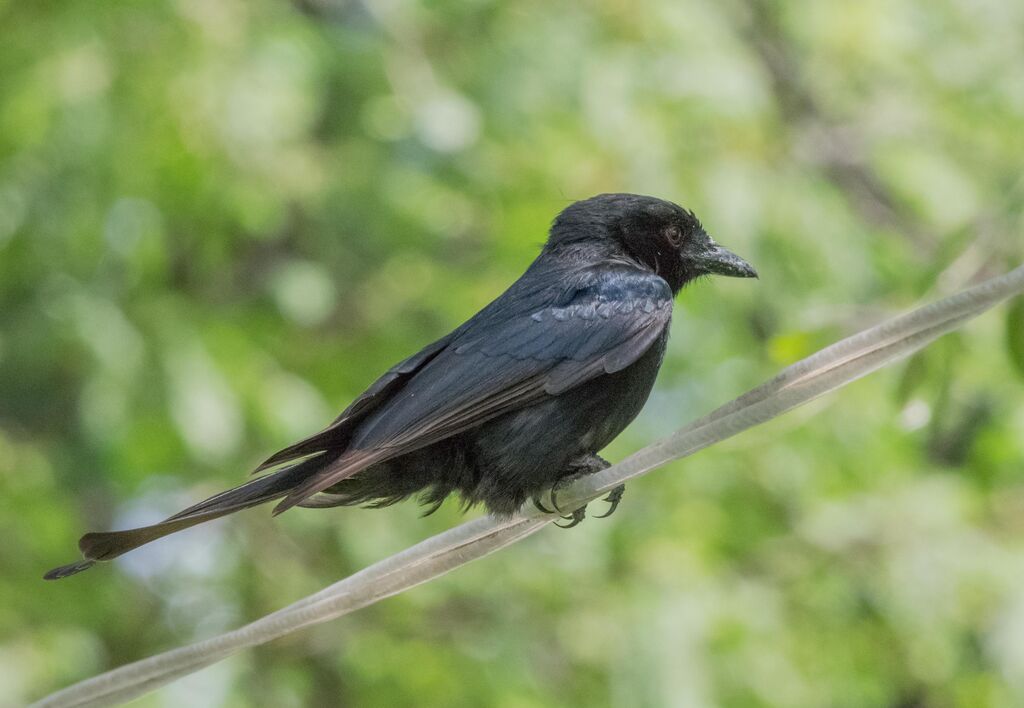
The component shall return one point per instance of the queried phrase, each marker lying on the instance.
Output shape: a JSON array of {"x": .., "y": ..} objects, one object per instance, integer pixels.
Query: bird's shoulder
[
  {"x": 619, "y": 288},
  {"x": 582, "y": 311}
]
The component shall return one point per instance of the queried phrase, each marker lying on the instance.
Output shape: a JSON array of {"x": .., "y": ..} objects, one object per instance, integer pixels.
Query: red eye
[{"x": 674, "y": 235}]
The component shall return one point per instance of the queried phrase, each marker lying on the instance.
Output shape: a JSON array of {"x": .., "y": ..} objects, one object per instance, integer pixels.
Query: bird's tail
[{"x": 106, "y": 546}]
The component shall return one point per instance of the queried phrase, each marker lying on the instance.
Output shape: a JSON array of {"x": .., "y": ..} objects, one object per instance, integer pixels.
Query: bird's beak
[{"x": 716, "y": 260}]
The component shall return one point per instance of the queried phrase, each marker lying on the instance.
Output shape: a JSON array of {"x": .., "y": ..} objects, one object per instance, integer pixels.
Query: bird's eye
[{"x": 674, "y": 235}]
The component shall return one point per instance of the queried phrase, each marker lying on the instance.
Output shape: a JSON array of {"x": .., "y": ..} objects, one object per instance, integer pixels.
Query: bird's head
[{"x": 654, "y": 233}]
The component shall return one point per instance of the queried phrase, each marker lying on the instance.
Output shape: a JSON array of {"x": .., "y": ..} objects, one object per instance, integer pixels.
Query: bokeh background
[{"x": 221, "y": 219}]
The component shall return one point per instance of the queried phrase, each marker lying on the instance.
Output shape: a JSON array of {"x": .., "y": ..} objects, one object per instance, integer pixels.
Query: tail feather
[
  {"x": 343, "y": 467},
  {"x": 321, "y": 443},
  {"x": 106, "y": 546}
]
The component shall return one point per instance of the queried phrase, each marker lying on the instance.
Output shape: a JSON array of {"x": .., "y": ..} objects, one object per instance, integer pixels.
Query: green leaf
[
  {"x": 915, "y": 373},
  {"x": 1015, "y": 333}
]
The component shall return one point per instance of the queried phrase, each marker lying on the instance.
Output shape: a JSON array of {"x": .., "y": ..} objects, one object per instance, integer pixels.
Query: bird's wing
[{"x": 522, "y": 348}]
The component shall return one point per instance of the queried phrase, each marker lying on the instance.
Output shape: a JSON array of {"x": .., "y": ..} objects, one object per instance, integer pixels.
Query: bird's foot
[
  {"x": 540, "y": 505},
  {"x": 553, "y": 493},
  {"x": 581, "y": 468},
  {"x": 574, "y": 518},
  {"x": 613, "y": 498}
]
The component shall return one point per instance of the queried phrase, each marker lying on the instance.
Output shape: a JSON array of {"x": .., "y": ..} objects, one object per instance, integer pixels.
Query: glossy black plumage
[{"x": 522, "y": 395}]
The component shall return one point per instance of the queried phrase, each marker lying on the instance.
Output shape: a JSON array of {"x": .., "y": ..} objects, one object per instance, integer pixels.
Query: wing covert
[{"x": 500, "y": 364}]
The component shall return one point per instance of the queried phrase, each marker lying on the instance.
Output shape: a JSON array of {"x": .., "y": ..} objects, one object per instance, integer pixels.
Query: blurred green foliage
[{"x": 221, "y": 219}]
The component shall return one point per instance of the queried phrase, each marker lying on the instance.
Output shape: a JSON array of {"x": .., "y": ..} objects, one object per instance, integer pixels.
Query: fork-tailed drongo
[{"x": 520, "y": 397}]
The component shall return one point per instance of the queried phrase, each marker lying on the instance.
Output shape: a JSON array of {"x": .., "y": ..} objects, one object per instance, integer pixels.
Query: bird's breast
[{"x": 609, "y": 403}]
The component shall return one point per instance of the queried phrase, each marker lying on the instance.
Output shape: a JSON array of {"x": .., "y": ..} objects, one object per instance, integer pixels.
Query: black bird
[{"x": 512, "y": 403}]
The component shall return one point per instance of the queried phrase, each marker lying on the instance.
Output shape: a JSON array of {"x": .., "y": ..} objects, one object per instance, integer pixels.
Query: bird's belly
[
  {"x": 618, "y": 398},
  {"x": 522, "y": 452}
]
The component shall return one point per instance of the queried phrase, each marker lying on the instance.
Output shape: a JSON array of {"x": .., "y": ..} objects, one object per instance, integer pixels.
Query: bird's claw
[
  {"x": 540, "y": 506},
  {"x": 574, "y": 518},
  {"x": 613, "y": 498},
  {"x": 591, "y": 465},
  {"x": 553, "y": 496}
]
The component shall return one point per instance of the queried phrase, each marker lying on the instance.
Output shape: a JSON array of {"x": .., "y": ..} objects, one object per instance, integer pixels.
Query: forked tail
[{"x": 106, "y": 546}]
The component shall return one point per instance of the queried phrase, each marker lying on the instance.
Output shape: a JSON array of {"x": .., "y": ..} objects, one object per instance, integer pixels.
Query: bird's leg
[{"x": 581, "y": 467}]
